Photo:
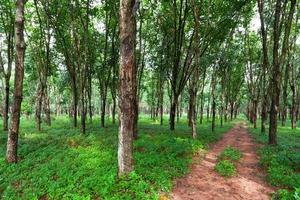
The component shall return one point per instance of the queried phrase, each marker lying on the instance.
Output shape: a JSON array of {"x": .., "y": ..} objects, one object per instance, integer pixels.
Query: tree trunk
[
  {"x": 89, "y": 93},
  {"x": 275, "y": 78},
  {"x": 83, "y": 111},
  {"x": 161, "y": 114},
  {"x": 113, "y": 111},
  {"x": 213, "y": 104},
  {"x": 47, "y": 107},
  {"x": 294, "y": 107},
  {"x": 208, "y": 109},
  {"x": 103, "y": 106},
  {"x": 136, "y": 115},
  {"x": 38, "y": 110},
  {"x": 254, "y": 116},
  {"x": 75, "y": 101},
  {"x": 6, "y": 105},
  {"x": 191, "y": 106},
  {"x": 127, "y": 86},
  {"x": 173, "y": 112},
  {"x": 213, "y": 107},
  {"x": 12, "y": 140},
  {"x": 265, "y": 66},
  {"x": 285, "y": 95}
]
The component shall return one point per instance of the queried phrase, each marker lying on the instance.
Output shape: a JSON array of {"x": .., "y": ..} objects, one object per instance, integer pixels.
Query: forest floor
[
  {"x": 203, "y": 182},
  {"x": 60, "y": 163}
]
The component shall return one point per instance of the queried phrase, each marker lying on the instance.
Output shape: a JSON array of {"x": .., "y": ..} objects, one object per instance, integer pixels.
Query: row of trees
[
  {"x": 273, "y": 67},
  {"x": 84, "y": 57}
]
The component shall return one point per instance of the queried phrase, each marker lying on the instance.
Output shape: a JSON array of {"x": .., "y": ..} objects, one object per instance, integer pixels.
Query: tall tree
[
  {"x": 128, "y": 86},
  {"x": 265, "y": 64},
  {"x": 12, "y": 140},
  {"x": 277, "y": 62},
  {"x": 7, "y": 20}
]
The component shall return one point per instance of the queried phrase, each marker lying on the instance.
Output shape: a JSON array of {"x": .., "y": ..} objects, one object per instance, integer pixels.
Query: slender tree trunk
[
  {"x": 192, "y": 105},
  {"x": 161, "y": 114},
  {"x": 113, "y": 111},
  {"x": 275, "y": 78},
  {"x": 285, "y": 95},
  {"x": 103, "y": 106},
  {"x": 208, "y": 109},
  {"x": 12, "y": 140},
  {"x": 7, "y": 75},
  {"x": 47, "y": 107},
  {"x": 276, "y": 66},
  {"x": 89, "y": 93},
  {"x": 83, "y": 112},
  {"x": 75, "y": 100},
  {"x": 173, "y": 112},
  {"x": 213, "y": 104},
  {"x": 254, "y": 117},
  {"x": 127, "y": 86},
  {"x": 231, "y": 110},
  {"x": 221, "y": 115},
  {"x": 294, "y": 107},
  {"x": 38, "y": 110},
  {"x": 6, "y": 104},
  {"x": 265, "y": 66}
]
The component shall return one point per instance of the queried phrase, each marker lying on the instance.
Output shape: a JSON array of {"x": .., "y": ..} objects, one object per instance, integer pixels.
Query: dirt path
[{"x": 204, "y": 183}]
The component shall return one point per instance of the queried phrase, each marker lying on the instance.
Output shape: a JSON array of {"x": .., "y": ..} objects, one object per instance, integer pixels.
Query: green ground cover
[
  {"x": 281, "y": 162},
  {"x": 60, "y": 163}
]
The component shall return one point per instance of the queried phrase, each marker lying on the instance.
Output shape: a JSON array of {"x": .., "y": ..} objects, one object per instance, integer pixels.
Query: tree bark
[
  {"x": 47, "y": 107},
  {"x": 38, "y": 109},
  {"x": 10, "y": 48},
  {"x": 6, "y": 105},
  {"x": 103, "y": 106},
  {"x": 127, "y": 86},
  {"x": 173, "y": 112},
  {"x": 113, "y": 111},
  {"x": 75, "y": 100},
  {"x": 275, "y": 78},
  {"x": 265, "y": 66},
  {"x": 213, "y": 104},
  {"x": 12, "y": 140}
]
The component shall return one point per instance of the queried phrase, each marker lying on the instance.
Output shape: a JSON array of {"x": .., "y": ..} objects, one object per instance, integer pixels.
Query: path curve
[{"x": 204, "y": 183}]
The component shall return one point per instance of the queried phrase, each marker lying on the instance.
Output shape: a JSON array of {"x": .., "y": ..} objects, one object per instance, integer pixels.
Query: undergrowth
[
  {"x": 227, "y": 160},
  {"x": 61, "y": 163},
  {"x": 282, "y": 162}
]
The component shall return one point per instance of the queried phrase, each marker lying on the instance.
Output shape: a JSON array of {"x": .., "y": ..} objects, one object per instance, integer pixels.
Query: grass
[
  {"x": 61, "y": 163},
  {"x": 282, "y": 162},
  {"x": 227, "y": 160},
  {"x": 231, "y": 154},
  {"x": 225, "y": 168}
]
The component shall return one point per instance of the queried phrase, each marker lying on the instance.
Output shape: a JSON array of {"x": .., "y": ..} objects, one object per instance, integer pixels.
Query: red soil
[{"x": 204, "y": 183}]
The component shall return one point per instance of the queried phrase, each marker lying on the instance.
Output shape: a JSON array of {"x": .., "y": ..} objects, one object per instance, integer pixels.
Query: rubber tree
[
  {"x": 13, "y": 134},
  {"x": 128, "y": 86}
]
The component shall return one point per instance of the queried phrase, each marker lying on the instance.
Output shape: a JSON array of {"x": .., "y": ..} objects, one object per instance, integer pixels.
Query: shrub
[
  {"x": 225, "y": 168},
  {"x": 231, "y": 154}
]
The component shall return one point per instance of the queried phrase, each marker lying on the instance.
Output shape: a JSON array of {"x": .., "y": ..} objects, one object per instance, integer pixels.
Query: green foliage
[
  {"x": 226, "y": 159},
  {"x": 231, "y": 154},
  {"x": 284, "y": 194},
  {"x": 225, "y": 168},
  {"x": 282, "y": 162},
  {"x": 60, "y": 163}
]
